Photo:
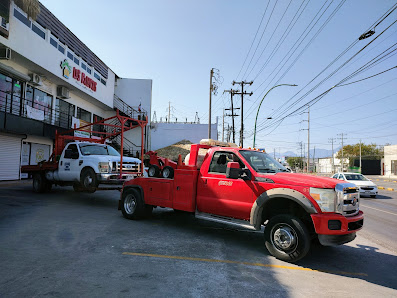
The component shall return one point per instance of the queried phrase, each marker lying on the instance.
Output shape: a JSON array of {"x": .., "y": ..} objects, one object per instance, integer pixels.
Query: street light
[{"x": 257, "y": 113}]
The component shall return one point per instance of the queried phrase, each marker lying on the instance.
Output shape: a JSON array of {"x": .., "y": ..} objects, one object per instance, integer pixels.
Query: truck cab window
[
  {"x": 71, "y": 151},
  {"x": 220, "y": 160}
]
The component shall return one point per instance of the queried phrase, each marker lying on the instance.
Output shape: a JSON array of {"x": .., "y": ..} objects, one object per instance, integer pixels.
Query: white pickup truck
[{"x": 85, "y": 165}]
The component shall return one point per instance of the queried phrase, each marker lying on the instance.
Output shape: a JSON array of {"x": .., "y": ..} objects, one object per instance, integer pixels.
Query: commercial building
[
  {"x": 389, "y": 165},
  {"x": 50, "y": 80}
]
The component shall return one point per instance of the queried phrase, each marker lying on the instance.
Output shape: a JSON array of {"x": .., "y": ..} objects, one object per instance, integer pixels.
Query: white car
[{"x": 367, "y": 187}]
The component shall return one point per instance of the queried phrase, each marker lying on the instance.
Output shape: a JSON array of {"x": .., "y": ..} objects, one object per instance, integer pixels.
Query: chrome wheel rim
[
  {"x": 88, "y": 181},
  {"x": 151, "y": 172},
  {"x": 130, "y": 204},
  {"x": 166, "y": 173},
  {"x": 284, "y": 238}
]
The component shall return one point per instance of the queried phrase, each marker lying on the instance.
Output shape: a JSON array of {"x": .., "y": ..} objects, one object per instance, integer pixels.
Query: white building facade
[
  {"x": 390, "y": 161},
  {"x": 48, "y": 79}
]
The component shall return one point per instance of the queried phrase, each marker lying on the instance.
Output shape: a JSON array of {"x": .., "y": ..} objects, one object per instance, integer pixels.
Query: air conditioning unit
[
  {"x": 5, "y": 53},
  {"x": 63, "y": 92},
  {"x": 36, "y": 79}
]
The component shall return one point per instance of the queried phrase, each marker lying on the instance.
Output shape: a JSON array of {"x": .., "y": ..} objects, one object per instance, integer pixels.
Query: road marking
[
  {"x": 378, "y": 209},
  {"x": 242, "y": 263}
]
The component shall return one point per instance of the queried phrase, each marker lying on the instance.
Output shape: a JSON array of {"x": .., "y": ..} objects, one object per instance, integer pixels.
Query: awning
[{"x": 13, "y": 72}]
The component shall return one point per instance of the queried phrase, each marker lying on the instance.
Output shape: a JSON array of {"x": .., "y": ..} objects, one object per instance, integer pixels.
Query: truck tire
[
  {"x": 287, "y": 238},
  {"x": 88, "y": 180},
  {"x": 153, "y": 171},
  {"x": 133, "y": 205},
  {"x": 168, "y": 172},
  {"x": 39, "y": 183}
]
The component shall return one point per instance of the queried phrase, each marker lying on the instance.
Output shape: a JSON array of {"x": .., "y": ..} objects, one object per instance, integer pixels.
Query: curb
[
  {"x": 387, "y": 188},
  {"x": 394, "y": 181}
]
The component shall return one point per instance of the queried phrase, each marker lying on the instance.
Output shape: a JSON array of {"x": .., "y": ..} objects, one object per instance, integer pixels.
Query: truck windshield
[
  {"x": 262, "y": 162},
  {"x": 96, "y": 149}
]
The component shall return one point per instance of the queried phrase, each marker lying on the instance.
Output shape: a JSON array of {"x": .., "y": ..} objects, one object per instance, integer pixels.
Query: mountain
[{"x": 318, "y": 153}]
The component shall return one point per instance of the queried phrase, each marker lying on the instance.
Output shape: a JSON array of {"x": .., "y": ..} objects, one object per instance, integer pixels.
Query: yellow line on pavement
[
  {"x": 378, "y": 209},
  {"x": 242, "y": 263}
]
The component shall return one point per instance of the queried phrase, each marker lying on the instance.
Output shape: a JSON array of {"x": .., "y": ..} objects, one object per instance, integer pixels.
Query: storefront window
[
  {"x": 64, "y": 112},
  {"x": 83, "y": 115},
  {"x": 5, "y": 92},
  {"x": 10, "y": 95},
  {"x": 98, "y": 127},
  {"x": 40, "y": 101}
]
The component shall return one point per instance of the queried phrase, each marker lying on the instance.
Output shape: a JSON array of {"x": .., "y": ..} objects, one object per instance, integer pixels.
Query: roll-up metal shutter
[{"x": 10, "y": 157}]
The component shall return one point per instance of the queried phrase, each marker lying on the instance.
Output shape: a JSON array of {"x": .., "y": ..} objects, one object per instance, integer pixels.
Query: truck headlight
[
  {"x": 103, "y": 167},
  {"x": 325, "y": 198}
]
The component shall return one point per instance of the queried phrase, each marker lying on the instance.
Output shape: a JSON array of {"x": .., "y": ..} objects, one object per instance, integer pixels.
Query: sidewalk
[{"x": 15, "y": 182}]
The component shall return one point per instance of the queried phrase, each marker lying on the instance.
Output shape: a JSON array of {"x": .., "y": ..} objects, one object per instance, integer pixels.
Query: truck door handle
[
  {"x": 61, "y": 162},
  {"x": 205, "y": 181},
  {"x": 178, "y": 188},
  {"x": 80, "y": 162}
]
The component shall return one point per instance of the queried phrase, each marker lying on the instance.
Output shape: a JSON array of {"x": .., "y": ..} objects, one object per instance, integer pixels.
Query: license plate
[{"x": 367, "y": 191}]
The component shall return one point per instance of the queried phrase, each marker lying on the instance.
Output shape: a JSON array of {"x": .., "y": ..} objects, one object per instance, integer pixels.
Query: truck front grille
[
  {"x": 348, "y": 197},
  {"x": 129, "y": 167}
]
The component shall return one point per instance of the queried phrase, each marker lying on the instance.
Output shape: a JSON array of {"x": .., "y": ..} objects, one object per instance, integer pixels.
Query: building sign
[
  {"x": 84, "y": 132},
  {"x": 66, "y": 69},
  {"x": 78, "y": 75}
]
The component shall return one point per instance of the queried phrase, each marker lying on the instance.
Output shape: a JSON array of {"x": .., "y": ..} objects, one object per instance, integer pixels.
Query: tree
[
  {"x": 367, "y": 152},
  {"x": 295, "y": 162}
]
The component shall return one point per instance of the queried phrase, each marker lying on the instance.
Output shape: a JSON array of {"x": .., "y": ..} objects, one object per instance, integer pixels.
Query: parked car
[{"x": 367, "y": 187}]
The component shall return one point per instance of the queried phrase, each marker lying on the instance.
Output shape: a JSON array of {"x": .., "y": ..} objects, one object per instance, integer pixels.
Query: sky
[{"x": 176, "y": 43}]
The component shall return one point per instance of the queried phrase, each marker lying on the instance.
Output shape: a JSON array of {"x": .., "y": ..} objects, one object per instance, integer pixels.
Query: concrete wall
[
  {"x": 134, "y": 92},
  {"x": 390, "y": 154},
  {"x": 165, "y": 134}
]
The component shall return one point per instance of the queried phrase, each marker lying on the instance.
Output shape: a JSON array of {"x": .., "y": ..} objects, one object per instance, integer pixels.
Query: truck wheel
[
  {"x": 287, "y": 238},
  {"x": 168, "y": 172},
  {"x": 133, "y": 206},
  {"x": 88, "y": 180},
  {"x": 38, "y": 183},
  {"x": 153, "y": 171}
]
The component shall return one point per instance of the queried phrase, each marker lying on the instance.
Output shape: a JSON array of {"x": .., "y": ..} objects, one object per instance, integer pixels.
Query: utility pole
[
  {"x": 308, "y": 138},
  {"x": 333, "y": 158},
  {"x": 209, "y": 117},
  {"x": 342, "y": 134},
  {"x": 242, "y": 83},
  {"x": 154, "y": 117},
  {"x": 232, "y": 92},
  {"x": 360, "y": 155},
  {"x": 314, "y": 154},
  {"x": 169, "y": 111},
  {"x": 223, "y": 126}
]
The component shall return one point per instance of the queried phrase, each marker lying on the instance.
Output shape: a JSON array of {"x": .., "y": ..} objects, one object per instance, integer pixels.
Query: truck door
[
  {"x": 69, "y": 169},
  {"x": 219, "y": 195}
]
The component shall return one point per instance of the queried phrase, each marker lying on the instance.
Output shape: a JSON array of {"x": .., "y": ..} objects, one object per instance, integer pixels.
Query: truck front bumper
[
  {"x": 335, "y": 229},
  {"x": 114, "y": 178}
]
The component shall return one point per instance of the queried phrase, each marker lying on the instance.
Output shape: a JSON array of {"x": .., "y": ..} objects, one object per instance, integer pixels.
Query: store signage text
[
  {"x": 84, "y": 79},
  {"x": 78, "y": 75}
]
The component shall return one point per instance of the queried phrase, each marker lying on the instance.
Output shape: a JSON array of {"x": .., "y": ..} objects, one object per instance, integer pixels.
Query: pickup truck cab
[{"x": 249, "y": 188}]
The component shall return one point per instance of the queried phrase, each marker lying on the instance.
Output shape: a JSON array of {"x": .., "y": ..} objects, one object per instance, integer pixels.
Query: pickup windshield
[
  {"x": 97, "y": 149},
  {"x": 262, "y": 162}
]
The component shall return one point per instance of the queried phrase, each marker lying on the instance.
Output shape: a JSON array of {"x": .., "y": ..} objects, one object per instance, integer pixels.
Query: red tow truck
[{"x": 247, "y": 187}]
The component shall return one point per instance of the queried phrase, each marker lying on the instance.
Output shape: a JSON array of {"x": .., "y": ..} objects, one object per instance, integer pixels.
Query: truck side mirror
[{"x": 233, "y": 170}]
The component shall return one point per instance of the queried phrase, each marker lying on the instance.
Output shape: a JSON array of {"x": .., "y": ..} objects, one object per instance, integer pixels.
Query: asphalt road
[{"x": 64, "y": 244}]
